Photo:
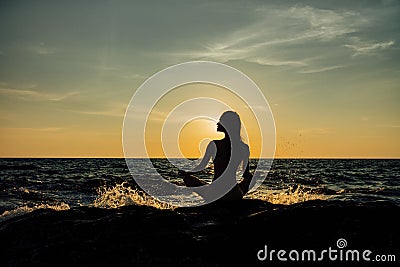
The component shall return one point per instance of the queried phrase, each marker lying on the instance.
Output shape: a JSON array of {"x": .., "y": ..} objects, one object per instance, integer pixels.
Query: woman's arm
[
  {"x": 211, "y": 151},
  {"x": 246, "y": 174}
]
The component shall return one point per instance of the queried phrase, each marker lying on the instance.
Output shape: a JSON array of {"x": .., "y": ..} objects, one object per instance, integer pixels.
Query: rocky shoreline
[{"x": 214, "y": 235}]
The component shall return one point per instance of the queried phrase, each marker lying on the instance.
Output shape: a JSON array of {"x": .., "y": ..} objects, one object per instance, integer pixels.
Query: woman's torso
[{"x": 223, "y": 156}]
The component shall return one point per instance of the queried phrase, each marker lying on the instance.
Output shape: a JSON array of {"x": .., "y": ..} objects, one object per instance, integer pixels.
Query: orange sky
[{"x": 102, "y": 137}]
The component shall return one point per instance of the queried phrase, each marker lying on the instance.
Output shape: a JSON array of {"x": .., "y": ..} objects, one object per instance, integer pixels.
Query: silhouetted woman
[{"x": 225, "y": 163}]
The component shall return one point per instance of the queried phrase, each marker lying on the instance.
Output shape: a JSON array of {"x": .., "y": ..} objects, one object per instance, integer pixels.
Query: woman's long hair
[{"x": 230, "y": 120}]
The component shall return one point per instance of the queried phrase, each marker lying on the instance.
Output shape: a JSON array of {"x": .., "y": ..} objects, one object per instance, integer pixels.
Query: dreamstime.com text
[{"x": 329, "y": 254}]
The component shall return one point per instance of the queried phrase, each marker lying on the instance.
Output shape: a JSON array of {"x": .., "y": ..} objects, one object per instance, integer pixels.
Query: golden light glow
[
  {"x": 194, "y": 132},
  {"x": 197, "y": 134}
]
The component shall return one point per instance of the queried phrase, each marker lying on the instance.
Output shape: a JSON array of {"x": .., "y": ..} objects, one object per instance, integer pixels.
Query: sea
[{"x": 27, "y": 184}]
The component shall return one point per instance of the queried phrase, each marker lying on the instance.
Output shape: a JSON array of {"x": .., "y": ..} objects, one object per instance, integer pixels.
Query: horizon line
[{"x": 73, "y": 157}]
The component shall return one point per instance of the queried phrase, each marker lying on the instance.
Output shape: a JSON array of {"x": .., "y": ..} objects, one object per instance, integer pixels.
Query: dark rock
[{"x": 213, "y": 235}]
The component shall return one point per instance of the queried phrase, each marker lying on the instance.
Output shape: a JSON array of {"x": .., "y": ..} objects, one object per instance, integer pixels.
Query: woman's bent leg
[{"x": 192, "y": 181}]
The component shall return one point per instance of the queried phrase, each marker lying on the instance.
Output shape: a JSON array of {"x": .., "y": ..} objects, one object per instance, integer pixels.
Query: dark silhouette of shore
[{"x": 211, "y": 235}]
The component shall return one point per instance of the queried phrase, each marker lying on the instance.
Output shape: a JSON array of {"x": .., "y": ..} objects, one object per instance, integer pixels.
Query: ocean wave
[
  {"x": 123, "y": 195},
  {"x": 27, "y": 209},
  {"x": 291, "y": 195}
]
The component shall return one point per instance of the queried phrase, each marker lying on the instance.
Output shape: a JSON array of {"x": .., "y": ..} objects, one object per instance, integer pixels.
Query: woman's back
[{"x": 223, "y": 160}]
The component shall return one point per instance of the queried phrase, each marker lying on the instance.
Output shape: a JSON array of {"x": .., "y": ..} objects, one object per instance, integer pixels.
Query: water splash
[
  {"x": 288, "y": 196},
  {"x": 27, "y": 209},
  {"x": 123, "y": 195}
]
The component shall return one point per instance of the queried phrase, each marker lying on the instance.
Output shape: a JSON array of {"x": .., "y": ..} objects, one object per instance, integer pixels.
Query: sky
[{"x": 329, "y": 69}]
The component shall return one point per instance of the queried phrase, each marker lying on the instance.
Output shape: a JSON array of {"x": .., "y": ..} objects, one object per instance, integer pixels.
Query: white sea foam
[
  {"x": 286, "y": 197},
  {"x": 123, "y": 195}
]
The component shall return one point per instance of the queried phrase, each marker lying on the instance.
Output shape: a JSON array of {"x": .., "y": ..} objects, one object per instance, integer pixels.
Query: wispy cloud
[
  {"x": 395, "y": 126},
  {"x": 114, "y": 113},
  {"x": 316, "y": 131},
  {"x": 133, "y": 76},
  {"x": 368, "y": 48},
  {"x": 324, "y": 24},
  {"x": 42, "y": 129},
  {"x": 322, "y": 69},
  {"x": 114, "y": 110},
  {"x": 310, "y": 23},
  {"x": 364, "y": 118},
  {"x": 43, "y": 49},
  {"x": 107, "y": 68},
  {"x": 266, "y": 40},
  {"x": 18, "y": 93},
  {"x": 271, "y": 62},
  {"x": 59, "y": 97},
  {"x": 29, "y": 94},
  {"x": 118, "y": 71}
]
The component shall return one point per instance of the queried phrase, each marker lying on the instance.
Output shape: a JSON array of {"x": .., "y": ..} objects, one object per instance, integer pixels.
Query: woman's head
[{"x": 230, "y": 124}]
